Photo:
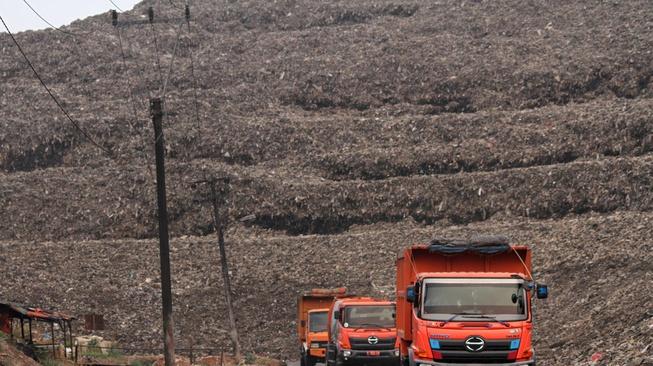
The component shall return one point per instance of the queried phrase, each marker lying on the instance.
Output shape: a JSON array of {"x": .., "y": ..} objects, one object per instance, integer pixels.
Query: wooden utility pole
[
  {"x": 218, "y": 222},
  {"x": 156, "y": 109}
]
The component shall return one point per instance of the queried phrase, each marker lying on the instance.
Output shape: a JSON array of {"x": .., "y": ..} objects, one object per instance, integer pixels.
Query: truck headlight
[{"x": 346, "y": 353}]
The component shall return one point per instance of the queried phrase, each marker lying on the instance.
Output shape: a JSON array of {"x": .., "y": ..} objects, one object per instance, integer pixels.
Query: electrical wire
[
  {"x": 141, "y": 67},
  {"x": 72, "y": 121},
  {"x": 117, "y": 7},
  {"x": 45, "y": 20},
  {"x": 174, "y": 5},
  {"x": 132, "y": 100},
  {"x": 192, "y": 72},
  {"x": 523, "y": 263},
  {"x": 172, "y": 62},
  {"x": 156, "y": 51},
  {"x": 129, "y": 84},
  {"x": 76, "y": 47}
]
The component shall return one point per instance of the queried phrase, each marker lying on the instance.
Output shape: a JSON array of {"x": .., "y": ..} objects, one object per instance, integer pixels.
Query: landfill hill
[{"x": 347, "y": 130}]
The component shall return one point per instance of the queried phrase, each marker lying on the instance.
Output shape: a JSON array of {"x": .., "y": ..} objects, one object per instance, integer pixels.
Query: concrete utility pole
[
  {"x": 156, "y": 109},
  {"x": 218, "y": 222}
]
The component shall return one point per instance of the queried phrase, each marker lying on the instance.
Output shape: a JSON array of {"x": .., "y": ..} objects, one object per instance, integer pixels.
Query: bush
[
  {"x": 141, "y": 363},
  {"x": 250, "y": 358}
]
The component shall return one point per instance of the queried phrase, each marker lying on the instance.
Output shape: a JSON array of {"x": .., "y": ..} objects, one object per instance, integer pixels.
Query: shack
[{"x": 14, "y": 316}]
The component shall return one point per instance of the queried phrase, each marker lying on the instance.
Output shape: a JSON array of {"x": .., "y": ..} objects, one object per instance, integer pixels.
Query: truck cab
[
  {"x": 317, "y": 335},
  {"x": 312, "y": 319},
  {"x": 466, "y": 302},
  {"x": 362, "y": 331}
]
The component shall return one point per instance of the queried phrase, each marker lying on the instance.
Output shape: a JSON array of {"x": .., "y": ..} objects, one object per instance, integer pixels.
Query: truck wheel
[
  {"x": 331, "y": 355},
  {"x": 411, "y": 358},
  {"x": 310, "y": 360}
]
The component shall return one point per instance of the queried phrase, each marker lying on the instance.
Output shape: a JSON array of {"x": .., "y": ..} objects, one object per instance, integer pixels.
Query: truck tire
[
  {"x": 331, "y": 355},
  {"x": 310, "y": 360},
  {"x": 411, "y": 358}
]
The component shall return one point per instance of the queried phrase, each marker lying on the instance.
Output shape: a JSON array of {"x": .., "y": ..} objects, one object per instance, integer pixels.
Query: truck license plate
[{"x": 374, "y": 353}]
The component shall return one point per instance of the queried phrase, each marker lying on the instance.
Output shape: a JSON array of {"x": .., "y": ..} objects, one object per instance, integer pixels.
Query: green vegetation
[
  {"x": 49, "y": 362},
  {"x": 93, "y": 350},
  {"x": 250, "y": 358},
  {"x": 141, "y": 363}
]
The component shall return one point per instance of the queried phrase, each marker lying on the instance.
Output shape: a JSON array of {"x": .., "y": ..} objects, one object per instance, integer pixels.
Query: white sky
[{"x": 19, "y": 17}]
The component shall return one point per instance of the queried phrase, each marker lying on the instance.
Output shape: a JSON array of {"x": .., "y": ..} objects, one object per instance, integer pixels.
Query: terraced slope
[{"x": 348, "y": 129}]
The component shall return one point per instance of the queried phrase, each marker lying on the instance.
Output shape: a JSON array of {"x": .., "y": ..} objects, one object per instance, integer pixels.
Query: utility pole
[
  {"x": 218, "y": 222},
  {"x": 156, "y": 109}
]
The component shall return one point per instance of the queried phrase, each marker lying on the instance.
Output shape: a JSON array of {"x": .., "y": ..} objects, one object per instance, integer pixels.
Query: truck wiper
[
  {"x": 483, "y": 316},
  {"x": 453, "y": 317}
]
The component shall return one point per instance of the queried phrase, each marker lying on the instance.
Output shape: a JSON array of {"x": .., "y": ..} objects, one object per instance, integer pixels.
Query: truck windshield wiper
[
  {"x": 483, "y": 316},
  {"x": 455, "y": 315}
]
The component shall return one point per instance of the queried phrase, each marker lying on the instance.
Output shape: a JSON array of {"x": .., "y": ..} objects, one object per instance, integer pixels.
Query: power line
[
  {"x": 74, "y": 123},
  {"x": 150, "y": 14},
  {"x": 75, "y": 47},
  {"x": 192, "y": 71},
  {"x": 132, "y": 100},
  {"x": 172, "y": 61},
  {"x": 174, "y": 5},
  {"x": 117, "y": 7},
  {"x": 46, "y": 22}
]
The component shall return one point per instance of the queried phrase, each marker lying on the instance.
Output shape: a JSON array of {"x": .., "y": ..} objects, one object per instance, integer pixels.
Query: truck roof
[
  {"x": 364, "y": 301},
  {"x": 326, "y": 310},
  {"x": 316, "y": 299},
  {"x": 477, "y": 255},
  {"x": 471, "y": 275}
]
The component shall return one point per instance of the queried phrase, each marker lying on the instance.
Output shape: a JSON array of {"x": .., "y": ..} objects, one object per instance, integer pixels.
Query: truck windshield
[
  {"x": 369, "y": 316},
  {"x": 317, "y": 322},
  {"x": 471, "y": 301}
]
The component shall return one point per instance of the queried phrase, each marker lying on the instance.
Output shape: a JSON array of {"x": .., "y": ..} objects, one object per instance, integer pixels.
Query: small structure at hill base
[{"x": 11, "y": 312}]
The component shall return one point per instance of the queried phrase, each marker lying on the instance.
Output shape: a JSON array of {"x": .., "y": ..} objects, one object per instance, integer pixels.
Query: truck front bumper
[
  {"x": 390, "y": 357},
  {"x": 317, "y": 352},
  {"x": 419, "y": 362}
]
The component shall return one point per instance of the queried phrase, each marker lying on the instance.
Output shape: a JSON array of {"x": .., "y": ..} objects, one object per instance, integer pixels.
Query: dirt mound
[
  {"x": 117, "y": 202},
  {"x": 596, "y": 266},
  {"x": 375, "y": 122},
  {"x": 11, "y": 356}
]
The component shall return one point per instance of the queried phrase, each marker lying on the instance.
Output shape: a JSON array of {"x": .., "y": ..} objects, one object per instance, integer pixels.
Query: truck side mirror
[
  {"x": 336, "y": 314},
  {"x": 410, "y": 294},
  {"x": 303, "y": 323},
  {"x": 542, "y": 291}
]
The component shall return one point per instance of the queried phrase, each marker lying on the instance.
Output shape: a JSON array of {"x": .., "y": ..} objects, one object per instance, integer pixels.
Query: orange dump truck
[
  {"x": 362, "y": 331},
  {"x": 312, "y": 311},
  {"x": 466, "y": 302}
]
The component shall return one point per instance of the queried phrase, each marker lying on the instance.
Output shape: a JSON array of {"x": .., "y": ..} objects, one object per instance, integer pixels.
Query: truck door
[{"x": 332, "y": 345}]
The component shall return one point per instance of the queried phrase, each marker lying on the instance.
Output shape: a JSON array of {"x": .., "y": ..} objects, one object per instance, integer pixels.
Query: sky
[{"x": 19, "y": 17}]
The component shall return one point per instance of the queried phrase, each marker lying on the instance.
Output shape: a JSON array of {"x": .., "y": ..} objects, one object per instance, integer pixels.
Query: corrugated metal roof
[{"x": 21, "y": 311}]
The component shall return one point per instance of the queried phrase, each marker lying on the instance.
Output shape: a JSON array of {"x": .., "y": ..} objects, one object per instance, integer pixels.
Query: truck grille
[
  {"x": 501, "y": 345},
  {"x": 364, "y": 344},
  {"x": 454, "y": 351},
  {"x": 476, "y": 359}
]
